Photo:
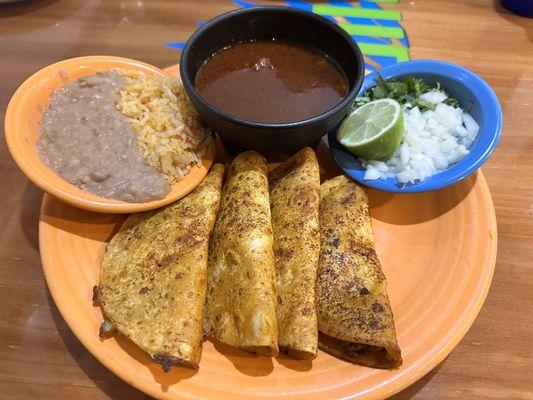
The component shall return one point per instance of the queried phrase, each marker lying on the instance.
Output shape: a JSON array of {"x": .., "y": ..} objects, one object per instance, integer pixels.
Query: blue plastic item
[
  {"x": 520, "y": 7},
  {"x": 460, "y": 83}
]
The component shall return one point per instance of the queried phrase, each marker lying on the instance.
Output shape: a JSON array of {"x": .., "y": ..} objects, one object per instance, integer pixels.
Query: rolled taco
[
  {"x": 294, "y": 202},
  {"x": 241, "y": 297},
  {"x": 354, "y": 315},
  {"x": 153, "y": 275}
]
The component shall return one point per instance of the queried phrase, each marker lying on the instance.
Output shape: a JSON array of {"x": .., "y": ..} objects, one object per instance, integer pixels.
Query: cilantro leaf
[{"x": 405, "y": 91}]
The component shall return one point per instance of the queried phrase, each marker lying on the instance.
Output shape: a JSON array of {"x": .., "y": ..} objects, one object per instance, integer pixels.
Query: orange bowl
[{"x": 22, "y": 131}]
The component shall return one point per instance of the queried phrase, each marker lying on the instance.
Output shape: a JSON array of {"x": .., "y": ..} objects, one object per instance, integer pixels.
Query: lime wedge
[{"x": 373, "y": 131}]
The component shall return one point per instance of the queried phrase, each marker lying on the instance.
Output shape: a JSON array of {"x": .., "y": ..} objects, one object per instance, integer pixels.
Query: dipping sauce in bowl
[
  {"x": 271, "y": 81},
  {"x": 270, "y": 78}
]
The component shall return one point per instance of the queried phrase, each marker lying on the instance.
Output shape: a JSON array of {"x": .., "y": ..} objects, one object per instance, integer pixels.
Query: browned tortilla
[
  {"x": 354, "y": 315},
  {"x": 153, "y": 275},
  {"x": 294, "y": 202},
  {"x": 241, "y": 297}
]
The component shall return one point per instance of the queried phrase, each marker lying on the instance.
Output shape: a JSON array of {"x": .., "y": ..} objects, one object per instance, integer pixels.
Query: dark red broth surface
[{"x": 271, "y": 82}]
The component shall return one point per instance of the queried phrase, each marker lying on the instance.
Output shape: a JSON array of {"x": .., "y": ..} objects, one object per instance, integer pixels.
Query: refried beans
[{"x": 91, "y": 144}]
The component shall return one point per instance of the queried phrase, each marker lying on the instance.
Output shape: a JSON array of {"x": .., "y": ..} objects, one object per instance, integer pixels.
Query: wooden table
[{"x": 39, "y": 356}]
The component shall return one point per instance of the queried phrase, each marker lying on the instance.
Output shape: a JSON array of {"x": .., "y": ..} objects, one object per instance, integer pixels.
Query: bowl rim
[
  {"x": 492, "y": 114},
  {"x": 349, "y": 98},
  {"x": 66, "y": 191}
]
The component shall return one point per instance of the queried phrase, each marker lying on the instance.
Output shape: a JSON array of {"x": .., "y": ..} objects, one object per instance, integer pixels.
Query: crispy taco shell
[
  {"x": 241, "y": 297},
  {"x": 354, "y": 315},
  {"x": 153, "y": 275},
  {"x": 294, "y": 202}
]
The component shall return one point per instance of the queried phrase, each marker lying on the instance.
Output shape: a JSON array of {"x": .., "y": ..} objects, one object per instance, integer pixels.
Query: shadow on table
[
  {"x": 411, "y": 391},
  {"x": 523, "y": 22},
  {"x": 29, "y": 214},
  {"x": 113, "y": 387},
  {"x": 21, "y": 7}
]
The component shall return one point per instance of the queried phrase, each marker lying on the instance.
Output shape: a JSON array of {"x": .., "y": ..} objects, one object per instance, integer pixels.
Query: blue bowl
[{"x": 460, "y": 83}]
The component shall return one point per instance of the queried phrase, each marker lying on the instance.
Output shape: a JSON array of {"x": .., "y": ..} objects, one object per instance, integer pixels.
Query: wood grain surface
[{"x": 39, "y": 356}]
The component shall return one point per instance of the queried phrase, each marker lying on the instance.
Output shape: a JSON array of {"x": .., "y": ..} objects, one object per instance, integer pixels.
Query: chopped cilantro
[{"x": 406, "y": 91}]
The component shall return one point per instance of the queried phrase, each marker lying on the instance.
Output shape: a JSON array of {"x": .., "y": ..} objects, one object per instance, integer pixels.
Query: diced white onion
[
  {"x": 433, "y": 140},
  {"x": 434, "y": 96},
  {"x": 471, "y": 125}
]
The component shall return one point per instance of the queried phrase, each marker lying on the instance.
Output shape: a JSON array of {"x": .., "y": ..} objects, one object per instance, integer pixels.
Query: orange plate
[
  {"x": 437, "y": 249},
  {"x": 22, "y": 131}
]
